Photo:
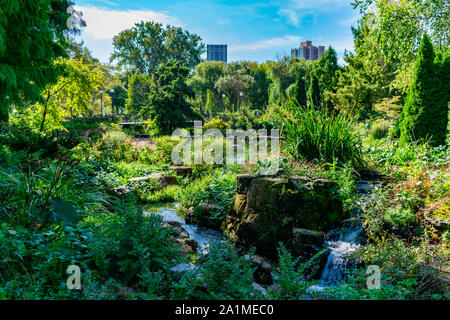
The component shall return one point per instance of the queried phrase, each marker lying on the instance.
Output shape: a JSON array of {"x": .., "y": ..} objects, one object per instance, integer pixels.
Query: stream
[
  {"x": 342, "y": 241},
  {"x": 202, "y": 235}
]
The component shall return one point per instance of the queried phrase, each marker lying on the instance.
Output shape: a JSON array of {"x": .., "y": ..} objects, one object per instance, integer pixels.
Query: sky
[{"x": 253, "y": 30}]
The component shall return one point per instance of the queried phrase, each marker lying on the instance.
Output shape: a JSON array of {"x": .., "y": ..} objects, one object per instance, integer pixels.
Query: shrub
[
  {"x": 380, "y": 129},
  {"x": 115, "y": 145},
  {"x": 425, "y": 114},
  {"x": 314, "y": 135},
  {"x": 128, "y": 244},
  {"x": 398, "y": 217},
  {"x": 215, "y": 124}
]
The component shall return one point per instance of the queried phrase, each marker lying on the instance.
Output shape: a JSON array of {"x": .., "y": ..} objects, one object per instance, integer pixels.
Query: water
[
  {"x": 342, "y": 242},
  {"x": 202, "y": 235}
]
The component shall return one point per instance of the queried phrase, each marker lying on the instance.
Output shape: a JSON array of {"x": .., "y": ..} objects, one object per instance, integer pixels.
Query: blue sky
[{"x": 254, "y": 30}]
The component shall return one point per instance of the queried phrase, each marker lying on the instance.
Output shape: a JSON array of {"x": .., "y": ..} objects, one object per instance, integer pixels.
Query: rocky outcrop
[
  {"x": 164, "y": 180},
  {"x": 268, "y": 210},
  {"x": 183, "y": 172}
]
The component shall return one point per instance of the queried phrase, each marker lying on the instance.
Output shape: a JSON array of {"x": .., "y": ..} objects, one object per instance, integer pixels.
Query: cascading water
[{"x": 342, "y": 242}]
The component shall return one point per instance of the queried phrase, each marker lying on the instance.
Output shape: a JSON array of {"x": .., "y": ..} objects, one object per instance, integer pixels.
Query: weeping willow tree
[{"x": 32, "y": 36}]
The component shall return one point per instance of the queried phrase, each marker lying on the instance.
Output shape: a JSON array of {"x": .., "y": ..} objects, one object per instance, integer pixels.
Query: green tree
[
  {"x": 149, "y": 45},
  {"x": 300, "y": 91},
  {"x": 425, "y": 113},
  {"x": 390, "y": 32},
  {"x": 203, "y": 82},
  {"x": 327, "y": 72},
  {"x": 314, "y": 91},
  {"x": 119, "y": 96},
  {"x": 138, "y": 92},
  {"x": 168, "y": 106},
  {"x": 32, "y": 36}
]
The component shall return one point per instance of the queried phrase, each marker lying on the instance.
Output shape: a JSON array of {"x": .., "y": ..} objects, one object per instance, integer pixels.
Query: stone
[
  {"x": 164, "y": 180},
  {"x": 187, "y": 246},
  {"x": 243, "y": 182},
  {"x": 183, "y": 172},
  {"x": 263, "y": 270},
  {"x": 267, "y": 210}
]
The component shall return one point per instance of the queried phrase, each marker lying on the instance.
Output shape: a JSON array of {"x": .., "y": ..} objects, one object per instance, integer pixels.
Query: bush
[
  {"x": 316, "y": 135},
  {"x": 215, "y": 124},
  {"x": 47, "y": 144},
  {"x": 128, "y": 244},
  {"x": 398, "y": 217},
  {"x": 380, "y": 129}
]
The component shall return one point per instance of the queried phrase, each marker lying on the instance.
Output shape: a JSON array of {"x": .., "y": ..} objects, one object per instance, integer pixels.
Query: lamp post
[
  {"x": 112, "y": 106},
  {"x": 241, "y": 95}
]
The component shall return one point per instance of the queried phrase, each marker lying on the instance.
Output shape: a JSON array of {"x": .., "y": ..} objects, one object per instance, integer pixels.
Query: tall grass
[{"x": 318, "y": 135}]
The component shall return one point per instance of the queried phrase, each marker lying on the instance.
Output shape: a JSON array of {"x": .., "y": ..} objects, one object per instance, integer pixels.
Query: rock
[
  {"x": 243, "y": 182},
  {"x": 263, "y": 272},
  {"x": 187, "y": 246},
  {"x": 202, "y": 215},
  {"x": 164, "y": 180},
  {"x": 307, "y": 242},
  {"x": 266, "y": 210},
  {"x": 183, "y": 267},
  {"x": 183, "y": 172}
]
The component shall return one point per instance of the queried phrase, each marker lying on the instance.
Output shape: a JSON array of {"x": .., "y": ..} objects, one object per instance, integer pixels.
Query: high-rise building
[
  {"x": 308, "y": 51},
  {"x": 217, "y": 52}
]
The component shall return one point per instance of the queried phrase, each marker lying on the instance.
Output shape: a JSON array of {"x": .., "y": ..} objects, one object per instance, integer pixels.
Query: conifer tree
[
  {"x": 300, "y": 91},
  {"x": 32, "y": 36},
  {"x": 425, "y": 113},
  {"x": 314, "y": 91}
]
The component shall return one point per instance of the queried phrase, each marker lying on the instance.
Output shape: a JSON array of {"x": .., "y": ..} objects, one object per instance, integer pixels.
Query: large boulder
[
  {"x": 164, "y": 181},
  {"x": 183, "y": 172},
  {"x": 267, "y": 210}
]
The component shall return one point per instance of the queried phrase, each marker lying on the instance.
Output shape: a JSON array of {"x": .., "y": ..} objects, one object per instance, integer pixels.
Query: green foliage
[
  {"x": 224, "y": 273},
  {"x": 316, "y": 135},
  {"x": 300, "y": 92},
  {"x": 168, "y": 107},
  {"x": 218, "y": 188},
  {"x": 425, "y": 114},
  {"x": 30, "y": 140},
  {"x": 399, "y": 217},
  {"x": 380, "y": 129},
  {"x": 128, "y": 244},
  {"x": 26, "y": 56},
  {"x": 148, "y": 45},
  {"x": 215, "y": 124},
  {"x": 138, "y": 92},
  {"x": 314, "y": 92}
]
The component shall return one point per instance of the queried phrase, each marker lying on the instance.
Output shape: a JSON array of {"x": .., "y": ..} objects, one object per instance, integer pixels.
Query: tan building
[{"x": 308, "y": 51}]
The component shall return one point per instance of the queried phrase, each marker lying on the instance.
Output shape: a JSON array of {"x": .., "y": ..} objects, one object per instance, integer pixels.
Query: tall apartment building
[
  {"x": 308, "y": 51},
  {"x": 217, "y": 52}
]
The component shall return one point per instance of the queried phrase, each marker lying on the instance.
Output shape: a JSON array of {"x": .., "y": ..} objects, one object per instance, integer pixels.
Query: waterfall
[{"x": 342, "y": 242}]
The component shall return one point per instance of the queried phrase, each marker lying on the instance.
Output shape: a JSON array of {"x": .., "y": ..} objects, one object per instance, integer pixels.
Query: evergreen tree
[
  {"x": 300, "y": 91},
  {"x": 168, "y": 106},
  {"x": 425, "y": 113},
  {"x": 314, "y": 91},
  {"x": 32, "y": 36},
  {"x": 138, "y": 91}
]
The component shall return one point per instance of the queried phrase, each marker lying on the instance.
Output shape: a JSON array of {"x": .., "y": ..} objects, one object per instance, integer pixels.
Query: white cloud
[
  {"x": 292, "y": 16},
  {"x": 105, "y": 24},
  {"x": 268, "y": 43}
]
